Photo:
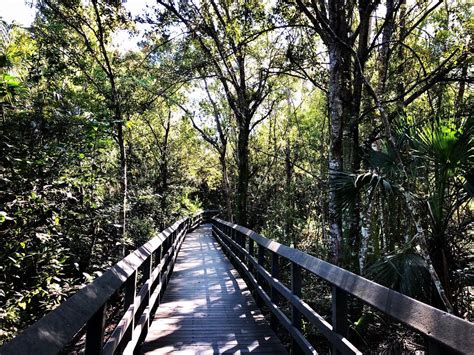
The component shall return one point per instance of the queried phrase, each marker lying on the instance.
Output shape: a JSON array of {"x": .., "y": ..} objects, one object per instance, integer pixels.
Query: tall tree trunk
[
  {"x": 353, "y": 126},
  {"x": 365, "y": 238},
  {"x": 164, "y": 173},
  {"x": 123, "y": 183},
  {"x": 243, "y": 173},
  {"x": 339, "y": 99},
  {"x": 336, "y": 114},
  {"x": 401, "y": 57},
  {"x": 226, "y": 184},
  {"x": 382, "y": 227},
  {"x": 385, "y": 47},
  {"x": 289, "y": 195}
]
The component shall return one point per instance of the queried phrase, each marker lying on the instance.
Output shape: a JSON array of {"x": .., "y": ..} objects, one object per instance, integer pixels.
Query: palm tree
[
  {"x": 439, "y": 157},
  {"x": 447, "y": 155}
]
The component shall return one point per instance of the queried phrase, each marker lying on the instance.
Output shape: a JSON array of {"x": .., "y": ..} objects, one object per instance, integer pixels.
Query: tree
[
  {"x": 90, "y": 28},
  {"x": 230, "y": 36}
]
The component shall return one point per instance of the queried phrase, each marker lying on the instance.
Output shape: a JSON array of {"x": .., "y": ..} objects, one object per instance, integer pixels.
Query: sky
[
  {"x": 18, "y": 11},
  {"x": 23, "y": 14}
]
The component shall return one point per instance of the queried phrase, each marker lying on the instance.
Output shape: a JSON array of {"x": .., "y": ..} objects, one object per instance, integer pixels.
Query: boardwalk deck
[{"x": 207, "y": 307}]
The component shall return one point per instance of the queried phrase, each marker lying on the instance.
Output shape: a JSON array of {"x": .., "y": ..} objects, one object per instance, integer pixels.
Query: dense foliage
[{"x": 342, "y": 128}]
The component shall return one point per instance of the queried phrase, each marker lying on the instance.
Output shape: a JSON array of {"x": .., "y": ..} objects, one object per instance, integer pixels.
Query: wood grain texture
[{"x": 207, "y": 307}]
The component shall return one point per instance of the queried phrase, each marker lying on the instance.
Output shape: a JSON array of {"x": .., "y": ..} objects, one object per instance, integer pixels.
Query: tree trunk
[
  {"x": 243, "y": 173},
  {"x": 123, "y": 183},
  {"x": 382, "y": 227},
  {"x": 289, "y": 195},
  {"x": 385, "y": 47},
  {"x": 226, "y": 185},
  {"x": 353, "y": 125},
  {"x": 401, "y": 57},
  {"x": 164, "y": 173},
  {"x": 336, "y": 115},
  {"x": 365, "y": 238}
]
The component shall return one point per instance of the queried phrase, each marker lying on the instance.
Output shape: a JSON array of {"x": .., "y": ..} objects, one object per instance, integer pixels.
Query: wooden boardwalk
[{"x": 207, "y": 308}]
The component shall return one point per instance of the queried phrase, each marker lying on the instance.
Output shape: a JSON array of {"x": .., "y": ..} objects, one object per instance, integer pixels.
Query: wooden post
[
  {"x": 147, "y": 267},
  {"x": 296, "y": 285},
  {"x": 95, "y": 332},
  {"x": 232, "y": 236},
  {"x": 130, "y": 293},
  {"x": 339, "y": 313},
  {"x": 242, "y": 244},
  {"x": 227, "y": 231},
  {"x": 159, "y": 257},
  {"x": 274, "y": 295},
  {"x": 165, "y": 246},
  {"x": 251, "y": 253},
  {"x": 260, "y": 260},
  {"x": 249, "y": 264},
  {"x": 159, "y": 254},
  {"x": 237, "y": 240},
  {"x": 251, "y": 247},
  {"x": 147, "y": 270}
]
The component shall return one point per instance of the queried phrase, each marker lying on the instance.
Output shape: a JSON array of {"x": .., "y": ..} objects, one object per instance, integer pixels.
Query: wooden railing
[
  {"x": 446, "y": 333},
  {"x": 152, "y": 263}
]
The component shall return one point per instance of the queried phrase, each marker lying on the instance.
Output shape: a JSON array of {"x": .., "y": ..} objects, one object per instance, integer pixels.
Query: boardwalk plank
[{"x": 207, "y": 307}]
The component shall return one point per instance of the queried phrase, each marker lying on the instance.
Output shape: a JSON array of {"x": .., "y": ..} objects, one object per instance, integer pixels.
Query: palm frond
[
  {"x": 348, "y": 185},
  {"x": 404, "y": 272},
  {"x": 382, "y": 160},
  {"x": 444, "y": 144}
]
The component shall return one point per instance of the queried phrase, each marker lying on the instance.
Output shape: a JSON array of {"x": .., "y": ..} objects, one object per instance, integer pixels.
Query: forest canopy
[{"x": 341, "y": 128}]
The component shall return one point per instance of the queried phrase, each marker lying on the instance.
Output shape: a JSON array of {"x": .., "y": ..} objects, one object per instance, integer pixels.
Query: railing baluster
[
  {"x": 251, "y": 247},
  {"x": 239, "y": 239},
  {"x": 147, "y": 267},
  {"x": 157, "y": 255},
  {"x": 130, "y": 293},
  {"x": 95, "y": 332},
  {"x": 147, "y": 270},
  {"x": 232, "y": 237},
  {"x": 233, "y": 234},
  {"x": 295, "y": 313},
  {"x": 229, "y": 244},
  {"x": 242, "y": 244},
  {"x": 339, "y": 313},
  {"x": 260, "y": 260},
  {"x": 251, "y": 250},
  {"x": 274, "y": 295}
]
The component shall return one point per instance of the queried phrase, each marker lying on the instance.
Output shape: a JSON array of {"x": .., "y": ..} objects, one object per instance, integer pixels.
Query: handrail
[
  {"x": 52, "y": 333},
  {"x": 444, "y": 331}
]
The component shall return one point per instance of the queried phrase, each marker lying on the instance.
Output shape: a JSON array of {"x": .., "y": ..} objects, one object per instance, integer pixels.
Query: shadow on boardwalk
[{"x": 207, "y": 308}]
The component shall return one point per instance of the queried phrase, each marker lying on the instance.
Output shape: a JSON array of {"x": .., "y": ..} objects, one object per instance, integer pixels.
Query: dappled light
[
  {"x": 208, "y": 306},
  {"x": 322, "y": 147}
]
